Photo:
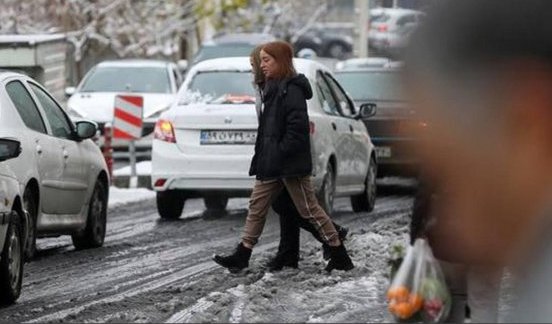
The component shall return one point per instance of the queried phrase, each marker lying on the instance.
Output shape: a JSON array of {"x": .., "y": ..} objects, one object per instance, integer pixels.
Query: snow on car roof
[
  {"x": 307, "y": 67},
  {"x": 135, "y": 62}
]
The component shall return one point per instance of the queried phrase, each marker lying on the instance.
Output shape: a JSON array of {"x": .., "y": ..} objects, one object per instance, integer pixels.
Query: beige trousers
[{"x": 302, "y": 193}]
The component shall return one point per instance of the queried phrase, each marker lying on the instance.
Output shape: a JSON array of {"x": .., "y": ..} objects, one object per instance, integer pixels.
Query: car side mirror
[
  {"x": 69, "y": 91},
  {"x": 9, "y": 149},
  {"x": 86, "y": 129},
  {"x": 367, "y": 110}
]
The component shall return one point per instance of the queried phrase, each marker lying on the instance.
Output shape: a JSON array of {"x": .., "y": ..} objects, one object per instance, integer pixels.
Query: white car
[
  {"x": 391, "y": 29},
  {"x": 61, "y": 171},
  {"x": 204, "y": 149},
  {"x": 13, "y": 224},
  {"x": 94, "y": 98}
]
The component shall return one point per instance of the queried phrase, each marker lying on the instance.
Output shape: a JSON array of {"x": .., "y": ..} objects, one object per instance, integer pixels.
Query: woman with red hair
[{"x": 282, "y": 159}]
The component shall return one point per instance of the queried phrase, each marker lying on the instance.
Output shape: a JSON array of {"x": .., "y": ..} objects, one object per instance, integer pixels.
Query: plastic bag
[{"x": 418, "y": 291}]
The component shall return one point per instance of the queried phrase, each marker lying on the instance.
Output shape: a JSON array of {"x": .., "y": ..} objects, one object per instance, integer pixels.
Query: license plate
[
  {"x": 383, "y": 152},
  {"x": 211, "y": 137}
]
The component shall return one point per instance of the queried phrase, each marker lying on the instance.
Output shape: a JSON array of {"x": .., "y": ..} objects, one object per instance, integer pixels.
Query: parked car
[
  {"x": 61, "y": 171},
  {"x": 231, "y": 45},
  {"x": 203, "y": 147},
  {"x": 392, "y": 129},
  {"x": 13, "y": 226},
  {"x": 325, "y": 42},
  {"x": 390, "y": 31},
  {"x": 94, "y": 98}
]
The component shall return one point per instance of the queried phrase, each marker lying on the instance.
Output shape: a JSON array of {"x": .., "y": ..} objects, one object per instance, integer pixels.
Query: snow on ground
[
  {"x": 123, "y": 196},
  {"x": 142, "y": 168},
  {"x": 309, "y": 294}
]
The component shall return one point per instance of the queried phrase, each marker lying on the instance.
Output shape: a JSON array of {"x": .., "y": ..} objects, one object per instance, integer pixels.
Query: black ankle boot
[
  {"x": 339, "y": 259},
  {"x": 282, "y": 260},
  {"x": 342, "y": 233},
  {"x": 237, "y": 261}
]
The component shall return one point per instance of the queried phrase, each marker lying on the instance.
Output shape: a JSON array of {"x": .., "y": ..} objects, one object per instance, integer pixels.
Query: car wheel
[
  {"x": 337, "y": 50},
  {"x": 31, "y": 206},
  {"x": 93, "y": 234},
  {"x": 215, "y": 202},
  {"x": 327, "y": 192},
  {"x": 11, "y": 262},
  {"x": 170, "y": 204},
  {"x": 366, "y": 201}
]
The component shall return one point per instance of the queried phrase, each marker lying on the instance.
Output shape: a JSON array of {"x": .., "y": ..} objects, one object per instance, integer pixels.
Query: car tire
[
  {"x": 11, "y": 262},
  {"x": 366, "y": 201},
  {"x": 93, "y": 235},
  {"x": 170, "y": 204},
  {"x": 327, "y": 191},
  {"x": 215, "y": 202},
  {"x": 31, "y": 207},
  {"x": 337, "y": 50}
]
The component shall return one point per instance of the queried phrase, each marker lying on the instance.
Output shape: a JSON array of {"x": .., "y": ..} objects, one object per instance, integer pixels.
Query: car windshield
[
  {"x": 228, "y": 50},
  {"x": 221, "y": 87},
  {"x": 371, "y": 85},
  {"x": 127, "y": 79}
]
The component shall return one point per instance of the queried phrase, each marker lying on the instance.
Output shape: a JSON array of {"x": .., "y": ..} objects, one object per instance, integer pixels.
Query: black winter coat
[{"x": 282, "y": 148}]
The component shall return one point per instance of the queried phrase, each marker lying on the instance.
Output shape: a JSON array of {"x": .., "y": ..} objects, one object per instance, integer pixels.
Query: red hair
[{"x": 282, "y": 53}]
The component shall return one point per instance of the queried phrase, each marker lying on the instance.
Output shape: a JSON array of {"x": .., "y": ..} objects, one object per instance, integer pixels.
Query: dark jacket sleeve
[{"x": 296, "y": 131}]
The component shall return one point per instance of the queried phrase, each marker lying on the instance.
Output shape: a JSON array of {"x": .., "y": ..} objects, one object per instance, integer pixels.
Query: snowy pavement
[{"x": 151, "y": 270}]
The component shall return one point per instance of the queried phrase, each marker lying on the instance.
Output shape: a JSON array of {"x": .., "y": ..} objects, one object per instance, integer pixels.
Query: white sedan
[
  {"x": 204, "y": 144},
  {"x": 94, "y": 98},
  {"x": 13, "y": 224},
  {"x": 62, "y": 173}
]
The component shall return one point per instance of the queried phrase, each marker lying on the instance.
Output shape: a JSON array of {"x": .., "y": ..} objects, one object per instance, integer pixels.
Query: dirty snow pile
[
  {"x": 309, "y": 294},
  {"x": 123, "y": 196}
]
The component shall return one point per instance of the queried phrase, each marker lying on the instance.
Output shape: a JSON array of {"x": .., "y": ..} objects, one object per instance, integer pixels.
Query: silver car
[
  {"x": 61, "y": 172},
  {"x": 203, "y": 145}
]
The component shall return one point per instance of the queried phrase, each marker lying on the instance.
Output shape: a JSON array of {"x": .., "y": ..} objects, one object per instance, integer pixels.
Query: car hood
[
  {"x": 390, "y": 109},
  {"x": 99, "y": 106}
]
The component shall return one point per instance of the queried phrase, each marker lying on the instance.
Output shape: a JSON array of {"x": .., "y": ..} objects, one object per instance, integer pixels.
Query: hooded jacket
[{"x": 282, "y": 148}]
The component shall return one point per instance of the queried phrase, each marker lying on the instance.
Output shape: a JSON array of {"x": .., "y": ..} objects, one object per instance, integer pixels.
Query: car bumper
[
  {"x": 188, "y": 171},
  {"x": 396, "y": 156}
]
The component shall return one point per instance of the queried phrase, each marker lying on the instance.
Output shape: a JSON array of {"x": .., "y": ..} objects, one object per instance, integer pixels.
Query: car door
[
  {"x": 74, "y": 179},
  {"x": 338, "y": 129},
  {"x": 43, "y": 151},
  {"x": 355, "y": 139}
]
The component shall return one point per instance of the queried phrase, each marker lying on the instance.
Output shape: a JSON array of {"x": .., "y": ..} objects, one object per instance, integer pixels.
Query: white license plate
[
  {"x": 383, "y": 152},
  {"x": 210, "y": 137}
]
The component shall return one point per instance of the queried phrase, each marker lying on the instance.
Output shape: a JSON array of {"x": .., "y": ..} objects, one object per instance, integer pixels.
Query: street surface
[{"x": 153, "y": 270}]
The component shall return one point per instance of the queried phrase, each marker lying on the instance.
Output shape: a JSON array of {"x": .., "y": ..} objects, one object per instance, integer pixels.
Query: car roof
[
  {"x": 4, "y": 74},
  {"x": 241, "y": 38},
  {"x": 133, "y": 63},
  {"x": 381, "y": 69},
  {"x": 359, "y": 63},
  {"x": 307, "y": 67},
  {"x": 400, "y": 11}
]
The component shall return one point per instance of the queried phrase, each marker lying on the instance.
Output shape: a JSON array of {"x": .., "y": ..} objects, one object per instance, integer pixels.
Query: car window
[
  {"x": 221, "y": 87},
  {"x": 25, "y": 106},
  {"x": 127, "y": 79},
  {"x": 345, "y": 105},
  {"x": 227, "y": 50},
  {"x": 406, "y": 19},
  {"x": 327, "y": 100},
  {"x": 372, "y": 85},
  {"x": 61, "y": 126}
]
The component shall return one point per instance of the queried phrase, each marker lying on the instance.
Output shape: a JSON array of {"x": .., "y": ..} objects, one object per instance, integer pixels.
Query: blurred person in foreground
[
  {"x": 481, "y": 75},
  {"x": 291, "y": 221}
]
